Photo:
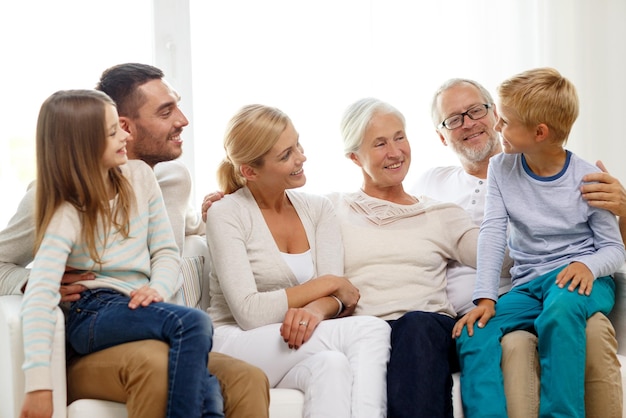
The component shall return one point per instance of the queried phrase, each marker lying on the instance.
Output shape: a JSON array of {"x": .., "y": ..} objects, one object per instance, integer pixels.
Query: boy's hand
[
  {"x": 143, "y": 296},
  {"x": 37, "y": 404},
  {"x": 483, "y": 312},
  {"x": 579, "y": 275}
]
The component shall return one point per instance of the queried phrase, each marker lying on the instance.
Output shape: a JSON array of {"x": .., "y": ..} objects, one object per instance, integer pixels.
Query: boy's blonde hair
[{"x": 542, "y": 95}]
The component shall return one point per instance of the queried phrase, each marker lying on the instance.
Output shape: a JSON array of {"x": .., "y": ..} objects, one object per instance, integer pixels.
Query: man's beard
[
  {"x": 476, "y": 154},
  {"x": 151, "y": 150}
]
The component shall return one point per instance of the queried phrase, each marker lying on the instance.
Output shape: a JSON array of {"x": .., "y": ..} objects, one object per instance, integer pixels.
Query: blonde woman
[{"x": 278, "y": 296}]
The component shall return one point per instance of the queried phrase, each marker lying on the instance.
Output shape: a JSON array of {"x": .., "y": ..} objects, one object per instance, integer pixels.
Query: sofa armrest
[
  {"x": 618, "y": 314},
  {"x": 12, "y": 358}
]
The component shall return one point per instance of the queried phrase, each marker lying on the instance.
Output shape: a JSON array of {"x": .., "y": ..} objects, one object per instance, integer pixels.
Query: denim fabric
[
  {"x": 419, "y": 374},
  {"x": 101, "y": 318},
  {"x": 559, "y": 317}
]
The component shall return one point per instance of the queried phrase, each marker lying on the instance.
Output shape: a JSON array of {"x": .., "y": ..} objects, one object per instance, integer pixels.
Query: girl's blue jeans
[
  {"x": 101, "y": 318},
  {"x": 559, "y": 317}
]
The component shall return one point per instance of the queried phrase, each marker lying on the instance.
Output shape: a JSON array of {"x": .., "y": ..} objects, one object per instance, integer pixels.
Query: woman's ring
[{"x": 303, "y": 323}]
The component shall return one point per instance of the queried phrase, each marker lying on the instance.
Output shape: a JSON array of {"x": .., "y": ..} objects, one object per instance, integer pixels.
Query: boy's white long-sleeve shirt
[{"x": 149, "y": 256}]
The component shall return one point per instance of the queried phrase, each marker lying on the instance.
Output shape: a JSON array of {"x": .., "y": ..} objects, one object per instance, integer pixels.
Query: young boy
[{"x": 562, "y": 250}]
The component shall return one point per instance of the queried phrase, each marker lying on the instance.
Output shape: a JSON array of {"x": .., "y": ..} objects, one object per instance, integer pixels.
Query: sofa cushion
[
  {"x": 94, "y": 408},
  {"x": 191, "y": 275}
]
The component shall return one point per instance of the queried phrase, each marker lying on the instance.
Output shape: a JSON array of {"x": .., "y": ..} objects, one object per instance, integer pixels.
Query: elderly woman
[
  {"x": 277, "y": 279},
  {"x": 396, "y": 249}
]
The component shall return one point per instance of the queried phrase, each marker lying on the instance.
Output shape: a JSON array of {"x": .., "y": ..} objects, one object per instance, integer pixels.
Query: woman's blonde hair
[
  {"x": 71, "y": 139},
  {"x": 250, "y": 134}
]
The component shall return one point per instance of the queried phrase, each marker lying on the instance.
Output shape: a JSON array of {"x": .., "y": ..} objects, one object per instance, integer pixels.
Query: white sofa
[{"x": 284, "y": 403}]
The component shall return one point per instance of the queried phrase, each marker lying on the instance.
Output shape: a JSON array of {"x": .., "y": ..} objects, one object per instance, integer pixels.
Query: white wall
[
  {"x": 585, "y": 41},
  {"x": 312, "y": 59}
]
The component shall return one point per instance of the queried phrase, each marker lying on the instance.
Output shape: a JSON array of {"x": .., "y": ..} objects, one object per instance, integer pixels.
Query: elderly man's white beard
[{"x": 476, "y": 154}]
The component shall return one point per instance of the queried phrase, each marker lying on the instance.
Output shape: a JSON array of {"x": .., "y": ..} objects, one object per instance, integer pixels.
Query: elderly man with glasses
[{"x": 465, "y": 116}]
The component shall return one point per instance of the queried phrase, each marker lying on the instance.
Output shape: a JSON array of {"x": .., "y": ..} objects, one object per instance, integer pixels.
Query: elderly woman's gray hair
[{"x": 356, "y": 119}]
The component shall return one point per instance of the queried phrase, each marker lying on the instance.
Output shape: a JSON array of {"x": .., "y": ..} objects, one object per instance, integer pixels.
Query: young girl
[{"x": 96, "y": 211}]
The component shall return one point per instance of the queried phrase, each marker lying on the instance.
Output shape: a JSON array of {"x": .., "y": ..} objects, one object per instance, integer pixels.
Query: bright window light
[
  {"x": 310, "y": 59},
  {"x": 54, "y": 45},
  {"x": 313, "y": 59}
]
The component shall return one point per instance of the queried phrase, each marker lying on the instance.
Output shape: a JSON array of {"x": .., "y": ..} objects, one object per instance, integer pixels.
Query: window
[{"x": 53, "y": 45}]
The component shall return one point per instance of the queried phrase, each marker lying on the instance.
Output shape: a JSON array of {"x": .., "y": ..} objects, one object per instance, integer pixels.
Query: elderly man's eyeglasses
[{"x": 474, "y": 113}]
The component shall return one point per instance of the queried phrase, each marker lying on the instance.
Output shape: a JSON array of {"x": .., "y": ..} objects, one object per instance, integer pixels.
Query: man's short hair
[{"x": 121, "y": 83}]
